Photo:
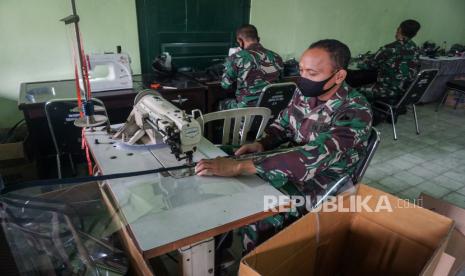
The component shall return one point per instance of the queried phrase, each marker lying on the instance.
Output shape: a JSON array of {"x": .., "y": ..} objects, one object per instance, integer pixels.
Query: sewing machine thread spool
[
  {"x": 90, "y": 119},
  {"x": 88, "y": 108}
]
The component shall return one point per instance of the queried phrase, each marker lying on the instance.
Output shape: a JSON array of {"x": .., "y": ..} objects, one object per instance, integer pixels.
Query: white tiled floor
[{"x": 432, "y": 162}]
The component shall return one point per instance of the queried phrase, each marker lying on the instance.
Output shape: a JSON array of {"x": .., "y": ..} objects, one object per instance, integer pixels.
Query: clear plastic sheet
[{"x": 61, "y": 231}]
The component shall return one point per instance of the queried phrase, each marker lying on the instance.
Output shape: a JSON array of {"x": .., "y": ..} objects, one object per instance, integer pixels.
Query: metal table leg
[{"x": 198, "y": 259}]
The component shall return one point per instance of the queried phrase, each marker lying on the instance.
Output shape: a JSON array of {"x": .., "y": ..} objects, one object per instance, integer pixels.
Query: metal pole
[
  {"x": 81, "y": 58},
  {"x": 89, "y": 119}
]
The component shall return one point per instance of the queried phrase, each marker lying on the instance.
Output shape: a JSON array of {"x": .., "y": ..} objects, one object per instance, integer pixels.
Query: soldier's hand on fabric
[
  {"x": 224, "y": 167},
  {"x": 249, "y": 148}
]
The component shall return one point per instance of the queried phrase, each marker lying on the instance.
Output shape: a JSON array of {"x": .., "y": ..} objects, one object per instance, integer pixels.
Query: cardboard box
[
  {"x": 18, "y": 172},
  {"x": 11, "y": 151},
  {"x": 455, "y": 97},
  {"x": 15, "y": 165},
  {"x": 410, "y": 240},
  {"x": 456, "y": 245}
]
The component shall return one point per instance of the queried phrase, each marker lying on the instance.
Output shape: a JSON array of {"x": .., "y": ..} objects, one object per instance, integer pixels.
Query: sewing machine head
[
  {"x": 118, "y": 68},
  {"x": 153, "y": 119}
]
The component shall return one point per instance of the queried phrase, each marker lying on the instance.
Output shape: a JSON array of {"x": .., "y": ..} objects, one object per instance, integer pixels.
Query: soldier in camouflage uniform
[
  {"x": 251, "y": 69},
  {"x": 396, "y": 63},
  {"x": 326, "y": 122}
]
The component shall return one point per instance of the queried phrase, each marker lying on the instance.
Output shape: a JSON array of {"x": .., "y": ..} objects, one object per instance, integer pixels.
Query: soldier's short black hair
[
  {"x": 338, "y": 51},
  {"x": 248, "y": 32},
  {"x": 409, "y": 28}
]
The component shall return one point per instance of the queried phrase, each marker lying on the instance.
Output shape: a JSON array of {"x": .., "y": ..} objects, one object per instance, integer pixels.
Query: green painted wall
[
  {"x": 35, "y": 45},
  {"x": 289, "y": 27}
]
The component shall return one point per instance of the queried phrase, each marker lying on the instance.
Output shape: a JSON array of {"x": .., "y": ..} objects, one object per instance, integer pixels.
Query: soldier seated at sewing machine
[
  {"x": 328, "y": 123},
  {"x": 250, "y": 69}
]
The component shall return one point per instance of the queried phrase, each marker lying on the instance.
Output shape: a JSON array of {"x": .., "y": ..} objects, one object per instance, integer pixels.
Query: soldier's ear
[
  {"x": 240, "y": 41},
  {"x": 341, "y": 76}
]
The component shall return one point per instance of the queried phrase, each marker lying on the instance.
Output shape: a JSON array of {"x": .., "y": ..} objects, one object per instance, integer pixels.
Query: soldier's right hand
[{"x": 249, "y": 148}]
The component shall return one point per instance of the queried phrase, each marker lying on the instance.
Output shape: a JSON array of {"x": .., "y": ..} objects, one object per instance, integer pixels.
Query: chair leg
[
  {"x": 71, "y": 162},
  {"x": 442, "y": 100},
  {"x": 58, "y": 165},
  {"x": 393, "y": 123},
  {"x": 458, "y": 99},
  {"x": 416, "y": 118}
]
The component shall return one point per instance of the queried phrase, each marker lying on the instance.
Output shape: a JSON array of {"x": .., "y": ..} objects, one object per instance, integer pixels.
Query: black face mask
[{"x": 311, "y": 88}]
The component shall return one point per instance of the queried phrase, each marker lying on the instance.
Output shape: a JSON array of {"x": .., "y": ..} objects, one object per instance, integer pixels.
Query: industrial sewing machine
[
  {"x": 155, "y": 204},
  {"x": 119, "y": 73},
  {"x": 155, "y": 120}
]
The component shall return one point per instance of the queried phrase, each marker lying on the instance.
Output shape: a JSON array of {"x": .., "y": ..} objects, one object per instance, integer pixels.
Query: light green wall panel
[
  {"x": 35, "y": 45},
  {"x": 288, "y": 27},
  {"x": 9, "y": 113}
]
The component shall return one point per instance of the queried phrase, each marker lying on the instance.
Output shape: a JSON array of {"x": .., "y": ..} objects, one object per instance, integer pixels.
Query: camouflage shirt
[
  {"x": 397, "y": 63},
  {"x": 329, "y": 137},
  {"x": 251, "y": 69}
]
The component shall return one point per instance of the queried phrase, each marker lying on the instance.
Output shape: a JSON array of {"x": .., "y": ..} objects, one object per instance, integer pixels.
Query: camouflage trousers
[
  {"x": 232, "y": 104},
  {"x": 254, "y": 234},
  {"x": 227, "y": 104}
]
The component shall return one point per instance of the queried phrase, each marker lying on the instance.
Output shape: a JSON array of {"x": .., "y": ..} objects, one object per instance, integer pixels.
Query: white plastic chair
[{"x": 242, "y": 117}]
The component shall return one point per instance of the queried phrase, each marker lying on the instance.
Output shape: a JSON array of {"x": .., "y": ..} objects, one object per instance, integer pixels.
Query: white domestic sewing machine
[
  {"x": 155, "y": 120},
  {"x": 119, "y": 74}
]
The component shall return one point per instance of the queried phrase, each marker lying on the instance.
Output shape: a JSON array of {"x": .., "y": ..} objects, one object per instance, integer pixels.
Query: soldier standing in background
[
  {"x": 396, "y": 63},
  {"x": 327, "y": 123},
  {"x": 251, "y": 69}
]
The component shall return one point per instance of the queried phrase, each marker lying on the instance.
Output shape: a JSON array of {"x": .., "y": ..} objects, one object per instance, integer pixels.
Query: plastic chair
[
  {"x": 411, "y": 97},
  {"x": 242, "y": 120},
  {"x": 332, "y": 189},
  {"x": 61, "y": 114}
]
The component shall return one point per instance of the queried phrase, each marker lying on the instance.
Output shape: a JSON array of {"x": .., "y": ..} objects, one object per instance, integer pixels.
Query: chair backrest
[
  {"x": 61, "y": 114},
  {"x": 418, "y": 87},
  {"x": 331, "y": 190},
  {"x": 362, "y": 165},
  {"x": 242, "y": 119},
  {"x": 276, "y": 96}
]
